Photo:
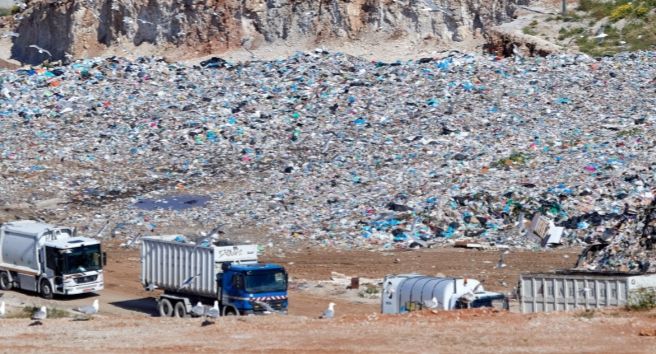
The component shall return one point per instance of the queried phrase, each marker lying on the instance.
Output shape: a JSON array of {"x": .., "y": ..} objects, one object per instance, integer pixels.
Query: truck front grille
[
  {"x": 275, "y": 304},
  {"x": 87, "y": 279}
]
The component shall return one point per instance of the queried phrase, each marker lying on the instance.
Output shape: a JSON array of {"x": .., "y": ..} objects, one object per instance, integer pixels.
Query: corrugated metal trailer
[
  {"x": 569, "y": 290},
  {"x": 167, "y": 264}
]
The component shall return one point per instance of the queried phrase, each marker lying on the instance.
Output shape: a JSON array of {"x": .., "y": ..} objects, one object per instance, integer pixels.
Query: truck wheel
[
  {"x": 180, "y": 310},
  {"x": 229, "y": 311},
  {"x": 5, "y": 284},
  {"x": 165, "y": 308},
  {"x": 45, "y": 289}
]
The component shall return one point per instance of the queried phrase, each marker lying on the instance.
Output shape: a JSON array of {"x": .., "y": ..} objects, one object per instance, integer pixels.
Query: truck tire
[
  {"x": 230, "y": 311},
  {"x": 5, "y": 284},
  {"x": 180, "y": 310},
  {"x": 165, "y": 308},
  {"x": 45, "y": 289}
]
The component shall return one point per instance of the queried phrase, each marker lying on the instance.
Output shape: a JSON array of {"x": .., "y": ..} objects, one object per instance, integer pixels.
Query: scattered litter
[{"x": 341, "y": 152}]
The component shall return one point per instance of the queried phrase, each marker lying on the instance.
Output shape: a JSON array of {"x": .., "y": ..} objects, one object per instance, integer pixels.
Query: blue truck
[{"x": 190, "y": 273}]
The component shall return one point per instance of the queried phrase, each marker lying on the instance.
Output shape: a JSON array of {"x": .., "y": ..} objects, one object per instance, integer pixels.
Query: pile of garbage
[
  {"x": 334, "y": 149},
  {"x": 629, "y": 246}
]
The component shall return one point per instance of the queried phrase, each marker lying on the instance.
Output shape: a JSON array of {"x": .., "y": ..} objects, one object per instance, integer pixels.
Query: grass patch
[
  {"x": 565, "y": 33},
  {"x": 642, "y": 300},
  {"x": 515, "y": 159},
  {"x": 8, "y": 11},
  {"x": 370, "y": 291},
  {"x": 531, "y": 28},
  {"x": 27, "y": 311},
  {"x": 618, "y": 9}
]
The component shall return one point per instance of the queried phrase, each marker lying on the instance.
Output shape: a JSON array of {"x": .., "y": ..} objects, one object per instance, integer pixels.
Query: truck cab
[
  {"x": 49, "y": 259},
  {"x": 248, "y": 286},
  {"x": 74, "y": 265}
]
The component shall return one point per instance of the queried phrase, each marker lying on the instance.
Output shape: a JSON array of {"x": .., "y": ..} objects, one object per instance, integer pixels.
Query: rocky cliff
[{"x": 200, "y": 27}]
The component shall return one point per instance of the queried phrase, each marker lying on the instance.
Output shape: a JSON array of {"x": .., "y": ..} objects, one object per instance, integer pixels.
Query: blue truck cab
[{"x": 253, "y": 288}]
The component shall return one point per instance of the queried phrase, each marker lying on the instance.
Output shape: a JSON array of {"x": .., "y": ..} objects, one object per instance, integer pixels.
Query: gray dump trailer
[{"x": 569, "y": 290}]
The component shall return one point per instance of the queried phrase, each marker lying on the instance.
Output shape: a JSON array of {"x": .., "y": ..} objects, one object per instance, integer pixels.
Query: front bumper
[{"x": 83, "y": 288}]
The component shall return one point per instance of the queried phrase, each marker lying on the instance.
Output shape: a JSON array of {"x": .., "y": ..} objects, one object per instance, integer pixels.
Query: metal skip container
[
  {"x": 166, "y": 264},
  {"x": 569, "y": 290}
]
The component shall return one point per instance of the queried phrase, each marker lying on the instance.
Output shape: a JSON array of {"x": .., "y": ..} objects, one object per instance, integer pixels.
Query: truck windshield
[
  {"x": 260, "y": 282},
  {"x": 82, "y": 259}
]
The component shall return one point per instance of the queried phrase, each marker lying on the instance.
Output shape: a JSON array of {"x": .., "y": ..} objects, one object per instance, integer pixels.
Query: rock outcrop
[{"x": 81, "y": 28}]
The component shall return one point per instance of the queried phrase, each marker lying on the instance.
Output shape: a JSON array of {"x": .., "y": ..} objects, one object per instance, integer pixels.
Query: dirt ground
[{"x": 127, "y": 320}]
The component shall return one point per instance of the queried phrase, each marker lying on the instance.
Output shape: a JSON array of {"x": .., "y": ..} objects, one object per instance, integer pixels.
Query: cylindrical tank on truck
[{"x": 410, "y": 292}]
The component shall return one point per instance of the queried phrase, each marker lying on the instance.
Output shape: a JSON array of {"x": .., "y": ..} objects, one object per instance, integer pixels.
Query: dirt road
[{"x": 127, "y": 321}]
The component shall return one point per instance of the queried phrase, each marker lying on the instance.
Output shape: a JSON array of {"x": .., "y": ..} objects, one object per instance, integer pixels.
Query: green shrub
[
  {"x": 621, "y": 12},
  {"x": 642, "y": 300}
]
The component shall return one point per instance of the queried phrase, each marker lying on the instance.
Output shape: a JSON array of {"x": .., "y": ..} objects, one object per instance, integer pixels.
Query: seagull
[
  {"x": 10, "y": 34},
  {"x": 41, "y": 50},
  {"x": 517, "y": 52},
  {"x": 89, "y": 310},
  {"x": 431, "y": 304},
  {"x": 198, "y": 310},
  {"x": 144, "y": 21},
  {"x": 601, "y": 35},
  {"x": 212, "y": 313},
  {"x": 38, "y": 316},
  {"x": 329, "y": 312},
  {"x": 151, "y": 287},
  {"x": 188, "y": 281},
  {"x": 3, "y": 311},
  {"x": 501, "y": 263}
]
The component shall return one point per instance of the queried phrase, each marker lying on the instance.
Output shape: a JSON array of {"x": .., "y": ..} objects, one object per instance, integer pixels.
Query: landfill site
[{"x": 412, "y": 176}]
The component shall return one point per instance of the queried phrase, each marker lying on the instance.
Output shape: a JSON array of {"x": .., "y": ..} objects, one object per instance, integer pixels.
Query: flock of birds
[
  {"x": 210, "y": 314},
  {"x": 41, "y": 314}
]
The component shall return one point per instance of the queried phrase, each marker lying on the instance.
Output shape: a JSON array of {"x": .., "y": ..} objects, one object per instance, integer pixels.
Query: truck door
[{"x": 54, "y": 264}]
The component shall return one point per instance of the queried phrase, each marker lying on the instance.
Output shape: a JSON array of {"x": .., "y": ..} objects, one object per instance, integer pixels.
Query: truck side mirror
[{"x": 104, "y": 261}]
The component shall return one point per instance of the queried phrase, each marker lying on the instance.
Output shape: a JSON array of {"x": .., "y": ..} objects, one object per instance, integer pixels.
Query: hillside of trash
[{"x": 341, "y": 151}]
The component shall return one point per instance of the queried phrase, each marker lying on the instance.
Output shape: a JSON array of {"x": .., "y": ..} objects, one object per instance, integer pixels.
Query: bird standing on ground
[
  {"x": 89, "y": 310},
  {"x": 501, "y": 263},
  {"x": 329, "y": 312},
  {"x": 38, "y": 316},
  {"x": 212, "y": 313},
  {"x": 198, "y": 310}
]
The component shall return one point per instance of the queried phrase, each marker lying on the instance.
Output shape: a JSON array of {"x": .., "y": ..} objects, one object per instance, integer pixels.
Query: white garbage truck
[
  {"x": 49, "y": 260},
  {"x": 410, "y": 292}
]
